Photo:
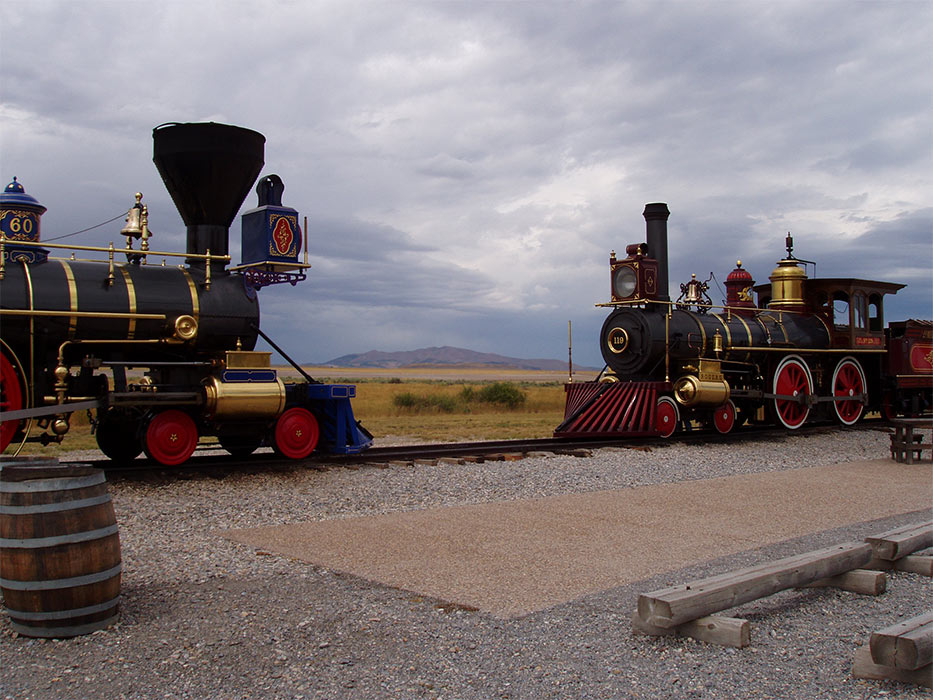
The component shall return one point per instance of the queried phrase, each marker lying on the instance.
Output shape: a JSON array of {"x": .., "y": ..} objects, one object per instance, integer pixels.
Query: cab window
[{"x": 841, "y": 311}]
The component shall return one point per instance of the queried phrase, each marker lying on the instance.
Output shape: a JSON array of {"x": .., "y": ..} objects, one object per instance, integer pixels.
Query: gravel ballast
[{"x": 205, "y": 617}]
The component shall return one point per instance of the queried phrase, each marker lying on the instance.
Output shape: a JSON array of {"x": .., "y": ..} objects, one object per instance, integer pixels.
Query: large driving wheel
[
  {"x": 118, "y": 435},
  {"x": 11, "y": 399},
  {"x": 296, "y": 433},
  {"x": 849, "y": 380},
  {"x": 792, "y": 382},
  {"x": 666, "y": 416},
  {"x": 170, "y": 437}
]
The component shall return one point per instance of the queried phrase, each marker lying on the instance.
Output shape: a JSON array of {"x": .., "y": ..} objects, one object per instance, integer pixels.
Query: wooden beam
[
  {"x": 913, "y": 563},
  {"x": 673, "y": 606},
  {"x": 715, "y": 629},
  {"x": 864, "y": 667},
  {"x": 902, "y": 541},
  {"x": 856, "y": 581},
  {"x": 906, "y": 645}
]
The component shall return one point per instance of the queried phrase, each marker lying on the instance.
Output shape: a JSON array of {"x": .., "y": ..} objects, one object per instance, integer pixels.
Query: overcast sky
[{"x": 467, "y": 166}]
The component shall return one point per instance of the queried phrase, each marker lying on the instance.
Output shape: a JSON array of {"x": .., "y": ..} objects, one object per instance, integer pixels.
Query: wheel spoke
[
  {"x": 849, "y": 381},
  {"x": 792, "y": 379}
]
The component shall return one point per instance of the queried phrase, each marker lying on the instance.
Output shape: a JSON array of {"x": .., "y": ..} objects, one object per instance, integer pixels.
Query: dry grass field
[
  {"x": 435, "y": 420},
  {"x": 420, "y": 404}
]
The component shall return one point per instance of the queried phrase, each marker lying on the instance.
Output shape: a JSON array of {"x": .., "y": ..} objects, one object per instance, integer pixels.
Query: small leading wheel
[
  {"x": 117, "y": 435},
  {"x": 724, "y": 417},
  {"x": 791, "y": 380},
  {"x": 170, "y": 437},
  {"x": 296, "y": 433},
  {"x": 11, "y": 399},
  {"x": 849, "y": 380},
  {"x": 666, "y": 416}
]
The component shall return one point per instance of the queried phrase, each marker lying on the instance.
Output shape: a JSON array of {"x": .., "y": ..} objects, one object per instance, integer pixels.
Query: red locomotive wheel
[
  {"x": 724, "y": 417},
  {"x": 11, "y": 399},
  {"x": 792, "y": 379},
  {"x": 296, "y": 433},
  {"x": 666, "y": 416},
  {"x": 849, "y": 380},
  {"x": 171, "y": 437}
]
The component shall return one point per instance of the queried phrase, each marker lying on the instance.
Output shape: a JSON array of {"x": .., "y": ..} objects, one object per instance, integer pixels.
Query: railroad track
[{"x": 214, "y": 461}]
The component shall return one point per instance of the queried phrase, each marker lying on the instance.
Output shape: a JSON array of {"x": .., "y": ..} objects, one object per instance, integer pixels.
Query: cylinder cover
[
  {"x": 691, "y": 391},
  {"x": 244, "y": 400}
]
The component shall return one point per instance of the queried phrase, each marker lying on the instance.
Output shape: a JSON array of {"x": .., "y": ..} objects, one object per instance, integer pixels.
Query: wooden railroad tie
[
  {"x": 687, "y": 609},
  {"x": 901, "y": 652},
  {"x": 894, "y": 550}
]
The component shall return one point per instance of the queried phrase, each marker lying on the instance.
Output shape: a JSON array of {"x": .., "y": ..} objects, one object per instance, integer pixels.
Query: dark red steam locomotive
[{"x": 808, "y": 349}]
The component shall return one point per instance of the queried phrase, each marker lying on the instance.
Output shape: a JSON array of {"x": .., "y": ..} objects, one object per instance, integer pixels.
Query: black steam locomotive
[
  {"x": 809, "y": 348},
  {"x": 163, "y": 354}
]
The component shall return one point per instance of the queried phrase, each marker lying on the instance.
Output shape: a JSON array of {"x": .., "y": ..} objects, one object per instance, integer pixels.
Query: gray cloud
[{"x": 466, "y": 167}]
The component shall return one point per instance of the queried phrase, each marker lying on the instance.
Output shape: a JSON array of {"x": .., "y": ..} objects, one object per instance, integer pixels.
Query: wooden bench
[
  {"x": 906, "y": 445},
  {"x": 902, "y": 652},
  {"x": 686, "y": 610}
]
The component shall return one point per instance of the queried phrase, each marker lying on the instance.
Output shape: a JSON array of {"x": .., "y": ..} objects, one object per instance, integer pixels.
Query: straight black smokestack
[{"x": 656, "y": 216}]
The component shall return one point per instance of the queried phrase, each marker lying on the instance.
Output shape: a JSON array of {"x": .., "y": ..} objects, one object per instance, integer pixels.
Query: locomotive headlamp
[{"x": 624, "y": 282}]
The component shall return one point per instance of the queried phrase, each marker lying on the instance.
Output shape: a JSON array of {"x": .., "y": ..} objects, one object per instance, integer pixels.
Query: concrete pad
[{"x": 515, "y": 557}]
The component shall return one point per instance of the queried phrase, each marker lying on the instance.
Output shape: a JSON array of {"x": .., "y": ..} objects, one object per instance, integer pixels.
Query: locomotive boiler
[
  {"x": 163, "y": 354},
  {"x": 808, "y": 348}
]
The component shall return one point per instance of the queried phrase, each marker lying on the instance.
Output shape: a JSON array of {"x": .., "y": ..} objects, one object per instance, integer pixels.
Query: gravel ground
[{"x": 203, "y": 617}]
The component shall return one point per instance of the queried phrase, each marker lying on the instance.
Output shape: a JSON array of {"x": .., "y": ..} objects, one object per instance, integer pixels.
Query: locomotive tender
[
  {"x": 164, "y": 354},
  {"x": 809, "y": 348}
]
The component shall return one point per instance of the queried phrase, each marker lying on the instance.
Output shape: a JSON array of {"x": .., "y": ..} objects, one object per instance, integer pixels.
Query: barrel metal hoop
[
  {"x": 64, "y": 614},
  {"x": 39, "y": 542},
  {"x": 61, "y": 582},
  {"x": 53, "y": 632},
  {"x": 42, "y": 485},
  {"x": 55, "y": 507}
]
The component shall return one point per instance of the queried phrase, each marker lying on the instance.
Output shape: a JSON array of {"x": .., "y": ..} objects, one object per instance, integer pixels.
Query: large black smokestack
[
  {"x": 656, "y": 216},
  {"x": 208, "y": 169}
]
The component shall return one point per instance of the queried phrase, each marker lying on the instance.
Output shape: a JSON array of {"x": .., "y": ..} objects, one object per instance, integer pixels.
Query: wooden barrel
[{"x": 59, "y": 549}]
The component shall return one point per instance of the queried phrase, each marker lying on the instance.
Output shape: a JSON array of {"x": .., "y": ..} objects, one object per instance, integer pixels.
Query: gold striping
[
  {"x": 699, "y": 323},
  {"x": 195, "y": 303},
  {"x": 32, "y": 338},
  {"x": 748, "y": 331},
  {"x": 72, "y": 297},
  {"x": 131, "y": 302}
]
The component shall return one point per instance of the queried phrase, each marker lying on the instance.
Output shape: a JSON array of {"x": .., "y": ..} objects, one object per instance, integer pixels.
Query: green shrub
[
  {"x": 504, "y": 393},
  {"x": 432, "y": 403}
]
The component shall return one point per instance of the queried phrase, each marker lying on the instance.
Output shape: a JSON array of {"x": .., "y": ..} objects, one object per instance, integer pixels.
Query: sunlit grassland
[{"x": 454, "y": 420}]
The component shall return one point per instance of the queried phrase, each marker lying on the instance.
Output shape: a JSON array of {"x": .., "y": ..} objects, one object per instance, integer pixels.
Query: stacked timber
[
  {"x": 894, "y": 549},
  {"x": 901, "y": 652},
  {"x": 687, "y": 609}
]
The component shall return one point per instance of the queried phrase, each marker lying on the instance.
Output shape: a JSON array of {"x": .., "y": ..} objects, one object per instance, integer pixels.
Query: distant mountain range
[{"x": 444, "y": 357}]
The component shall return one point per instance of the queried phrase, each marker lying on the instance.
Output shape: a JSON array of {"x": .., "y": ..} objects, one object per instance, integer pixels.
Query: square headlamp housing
[{"x": 634, "y": 279}]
